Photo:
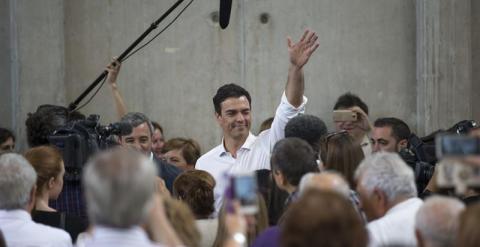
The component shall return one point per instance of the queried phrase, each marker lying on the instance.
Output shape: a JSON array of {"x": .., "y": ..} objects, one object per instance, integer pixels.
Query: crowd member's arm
[
  {"x": 293, "y": 102},
  {"x": 363, "y": 121},
  {"x": 300, "y": 53},
  {"x": 113, "y": 70},
  {"x": 236, "y": 228},
  {"x": 160, "y": 229}
]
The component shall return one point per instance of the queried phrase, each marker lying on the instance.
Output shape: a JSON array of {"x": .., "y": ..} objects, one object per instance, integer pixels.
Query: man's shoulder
[
  {"x": 51, "y": 234},
  {"x": 205, "y": 159}
]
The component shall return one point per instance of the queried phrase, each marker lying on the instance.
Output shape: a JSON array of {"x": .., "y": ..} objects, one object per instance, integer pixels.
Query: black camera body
[
  {"x": 80, "y": 139},
  {"x": 423, "y": 171}
]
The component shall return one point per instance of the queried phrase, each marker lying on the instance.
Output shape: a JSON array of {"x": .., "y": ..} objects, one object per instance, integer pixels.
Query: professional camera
[
  {"x": 78, "y": 140},
  {"x": 416, "y": 157}
]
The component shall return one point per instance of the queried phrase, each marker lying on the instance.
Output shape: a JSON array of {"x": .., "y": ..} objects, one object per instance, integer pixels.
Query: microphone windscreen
[{"x": 225, "y": 9}]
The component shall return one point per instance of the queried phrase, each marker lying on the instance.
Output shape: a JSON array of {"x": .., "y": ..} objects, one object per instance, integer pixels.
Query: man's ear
[
  {"x": 381, "y": 202},
  {"x": 402, "y": 144},
  {"x": 419, "y": 237},
  {"x": 218, "y": 117},
  {"x": 32, "y": 199}
]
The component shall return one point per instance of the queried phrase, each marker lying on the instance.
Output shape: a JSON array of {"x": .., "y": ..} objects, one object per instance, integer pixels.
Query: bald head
[
  {"x": 325, "y": 181},
  {"x": 436, "y": 222}
]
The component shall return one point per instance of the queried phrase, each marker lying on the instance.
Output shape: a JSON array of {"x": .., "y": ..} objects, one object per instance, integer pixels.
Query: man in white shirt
[
  {"x": 17, "y": 199},
  {"x": 240, "y": 150},
  {"x": 387, "y": 193},
  {"x": 120, "y": 193}
]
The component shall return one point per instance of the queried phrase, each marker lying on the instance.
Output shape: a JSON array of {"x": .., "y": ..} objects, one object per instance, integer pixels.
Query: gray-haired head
[
  {"x": 326, "y": 180},
  {"x": 17, "y": 179},
  {"x": 437, "y": 221},
  {"x": 137, "y": 118},
  {"x": 386, "y": 172},
  {"x": 119, "y": 186}
]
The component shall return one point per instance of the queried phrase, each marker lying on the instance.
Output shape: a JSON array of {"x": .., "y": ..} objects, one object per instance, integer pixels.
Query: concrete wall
[
  {"x": 5, "y": 66},
  {"x": 476, "y": 60},
  {"x": 38, "y": 73},
  {"x": 367, "y": 48}
]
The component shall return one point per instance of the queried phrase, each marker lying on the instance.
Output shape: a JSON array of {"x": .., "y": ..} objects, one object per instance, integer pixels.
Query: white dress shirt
[
  {"x": 254, "y": 153},
  {"x": 106, "y": 236},
  {"x": 19, "y": 229},
  {"x": 397, "y": 226}
]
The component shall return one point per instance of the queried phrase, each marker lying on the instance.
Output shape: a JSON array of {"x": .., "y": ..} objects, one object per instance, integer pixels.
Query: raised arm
[
  {"x": 300, "y": 53},
  {"x": 113, "y": 70}
]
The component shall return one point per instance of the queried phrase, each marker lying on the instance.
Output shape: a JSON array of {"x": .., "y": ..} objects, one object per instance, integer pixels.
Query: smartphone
[
  {"x": 244, "y": 188},
  {"x": 456, "y": 146},
  {"x": 344, "y": 116}
]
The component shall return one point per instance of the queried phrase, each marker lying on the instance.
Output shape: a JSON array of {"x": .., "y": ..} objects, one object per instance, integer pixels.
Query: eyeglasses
[{"x": 327, "y": 137}]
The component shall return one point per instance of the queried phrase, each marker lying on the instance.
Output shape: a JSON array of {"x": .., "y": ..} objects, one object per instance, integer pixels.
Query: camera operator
[{"x": 393, "y": 135}]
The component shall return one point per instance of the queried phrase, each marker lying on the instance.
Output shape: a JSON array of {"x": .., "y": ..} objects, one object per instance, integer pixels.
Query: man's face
[
  {"x": 157, "y": 142},
  {"x": 353, "y": 128},
  {"x": 235, "y": 118},
  {"x": 140, "y": 139},
  {"x": 383, "y": 140},
  {"x": 175, "y": 157},
  {"x": 7, "y": 146}
]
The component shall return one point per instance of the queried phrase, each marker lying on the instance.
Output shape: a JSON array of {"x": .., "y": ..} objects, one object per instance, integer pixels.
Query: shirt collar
[
  {"x": 16, "y": 214},
  {"x": 246, "y": 145}
]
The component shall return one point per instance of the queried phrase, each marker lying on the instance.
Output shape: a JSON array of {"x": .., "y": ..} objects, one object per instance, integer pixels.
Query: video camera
[
  {"x": 80, "y": 139},
  {"x": 422, "y": 153}
]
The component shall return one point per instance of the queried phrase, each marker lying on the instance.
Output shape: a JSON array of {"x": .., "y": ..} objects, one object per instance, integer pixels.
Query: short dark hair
[
  {"x": 229, "y": 91},
  {"x": 5, "y": 134},
  {"x": 45, "y": 120},
  {"x": 400, "y": 130},
  {"x": 308, "y": 128},
  {"x": 293, "y": 157},
  {"x": 137, "y": 118},
  {"x": 350, "y": 100}
]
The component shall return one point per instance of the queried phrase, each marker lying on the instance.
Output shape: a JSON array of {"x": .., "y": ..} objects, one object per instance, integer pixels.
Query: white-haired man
[
  {"x": 120, "y": 193},
  {"x": 17, "y": 199},
  {"x": 387, "y": 191},
  {"x": 437, "y": 222}
]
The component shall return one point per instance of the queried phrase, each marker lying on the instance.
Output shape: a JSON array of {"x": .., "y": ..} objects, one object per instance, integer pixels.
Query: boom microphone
[{"x": 225, "y": 9}]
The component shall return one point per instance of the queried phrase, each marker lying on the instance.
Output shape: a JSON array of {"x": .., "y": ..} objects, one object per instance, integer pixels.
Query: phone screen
[
  {"x": 457, "y": 145},
  {"x": 245, "y": 191}
]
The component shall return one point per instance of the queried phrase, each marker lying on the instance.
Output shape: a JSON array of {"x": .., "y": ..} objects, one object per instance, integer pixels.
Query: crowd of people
[{"x": 313, "y": 187}]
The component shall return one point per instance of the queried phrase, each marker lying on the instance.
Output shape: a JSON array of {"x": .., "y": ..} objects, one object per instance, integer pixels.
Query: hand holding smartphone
[{"x": 344, "y": 116}]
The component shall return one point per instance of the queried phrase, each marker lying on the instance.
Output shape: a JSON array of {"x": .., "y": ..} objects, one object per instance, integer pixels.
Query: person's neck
[
  {"x": 232, "y": 145},
  {"x": 397, "y": 201},
  {"x": 41, "y": 203}
]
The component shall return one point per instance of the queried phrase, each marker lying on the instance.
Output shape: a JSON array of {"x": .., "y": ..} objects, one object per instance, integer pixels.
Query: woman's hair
[
  {"x": 190, "y": 149},
  {"x": 47, "y": 162},
  {"x": 322, "y": 219},
  {"x": 157, "y": 126},
  {"x": 339, "y": 152},
  {"x": 196, "y": 192},
  {"x": 261, "y": 223},
  {"x": 468, "y": 229},
  {"x": 183, "y": 221}
]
